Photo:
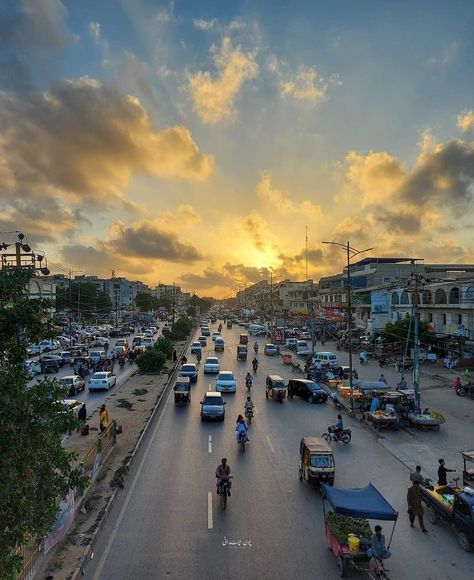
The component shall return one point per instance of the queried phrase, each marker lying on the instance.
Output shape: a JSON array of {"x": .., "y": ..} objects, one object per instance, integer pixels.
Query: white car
[
  {"x": 149, "y": 333},
  {"x": 74, "y": 383},
  {"x": 73, "y": 404},
  {"x": 215, "y": 335},
  {"x": 212, "y": 365},
  {"x": 196, "y": 348},
  {"x": 101, "y": 341},
  {"x": 226, "y": 382},
  {"x": 48, "y": 345},
  {"x": 102, "y": 381}
]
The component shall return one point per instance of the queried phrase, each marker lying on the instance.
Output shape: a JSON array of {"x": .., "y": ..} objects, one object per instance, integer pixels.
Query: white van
[
  {"x": 326, "y": 358},
  {"x": 302, "y": 348},
  {"x": 257, "y": 330}
]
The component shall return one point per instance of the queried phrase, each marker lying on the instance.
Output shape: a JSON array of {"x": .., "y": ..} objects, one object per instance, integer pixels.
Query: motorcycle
[
  {"x": 296, "y": 368},
  {"x": 363, "y": 361},
  {"x": 121, "y": 362},
  {"x": 248, "y": 384},
  {"x": 465, "y": 390},
  {"x": 198, "y": 358},
  {"x": 255, "y": 366},
  {"x": 345, "y": 435},
  {"x": 400, "y": 367},
  {"x": 249, "y": 415},
  {"x": 384, "y": 362},
  {"x": 223, "y": 491},
  {"x": 242, "y": 441},
  {"x": 255, "y": 347}
]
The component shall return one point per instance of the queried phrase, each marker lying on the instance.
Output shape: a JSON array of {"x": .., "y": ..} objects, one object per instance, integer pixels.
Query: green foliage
[
  {"x": 165, "y": 345},
  {"x": 191, "y": 311},
  {"x": 398, "y": 332},
  {"x": 145, "y": 302},
  {"x": 34, "y": 468},
  {"x": 181, "y": 328},
  {"x": 84, "y": 297},
  {"x": 151, "y": 361},
  {"x": 203, "y": 303}
]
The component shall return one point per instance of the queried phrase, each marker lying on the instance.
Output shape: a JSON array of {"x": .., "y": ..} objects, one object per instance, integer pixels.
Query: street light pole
[{"x": 350, "y": 253}]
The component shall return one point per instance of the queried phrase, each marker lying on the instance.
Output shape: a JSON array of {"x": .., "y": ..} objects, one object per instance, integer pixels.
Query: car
[
  {"x": 306, "y": 336},
  {"x": 214, "y": 336},
  {"x": 212, "y": 365},
  {"x": 49, "y": 366},
  {"x": 97, "y": 355},
  {"x": 205, "y": 331},
  {"x": 122, "y": 342},
  {"x": 212, "y": 407},
  {"x": 67, "y": 357},
  {"x": 73, "y": 404},
  {"x": 196, "y": 348},
  {"x": 33, "y": 349},
  {"x": 226, "y": 382},
  {"x": 291, "y": 343},
  {"x": 149, "y": 333},
  {"x": 56, "y": 357},
  {"x": 48, "y": 345},
  {"x": 202, "y": 341},
  {"x": 102, "y": 381},
  {"x": 189, "y": 370},
  {"x": 270, "y": 350},
  {"x": 219, "y": 344},
  {"x": 101, "y": 341},
  {"x": 74, "y": 383},
  {"x": 137, "y": 340},
  {"x": 119, "y": 349},
  {"x": 308, "y": 390},
  {"x": 147, "y": 342},
  {"x": 116, "y": 332}
]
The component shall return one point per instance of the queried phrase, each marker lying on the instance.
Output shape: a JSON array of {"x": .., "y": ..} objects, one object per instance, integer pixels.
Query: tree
[
  {"x": 399, "y": 330},
  {"x": 181, "y": 328},
  {"x": 35, "y": 470},
  {"x": 145, "y": 302},
  {"x": 165, "y": 345},
  {"x": 151, "y": 361},
  {"x": 83, "y": 297}
]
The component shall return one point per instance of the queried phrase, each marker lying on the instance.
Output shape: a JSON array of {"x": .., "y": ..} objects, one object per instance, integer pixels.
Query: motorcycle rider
[
  {"x": 457, "y": 383},
  {"x": 248, "y": 379},
  {"x": 248, "y": 406},
  {"x": 255, "y": 364},
  {"x": 255, "y": 347},
  {"x": 338, "y": 427},
  {"x": 184, "y": 360},
  {"x": 198, "y": 356},
  {"x": 223, "y": 475},
  {"x": 241, "y": 428},
  {"x": 363, "y": 357}
]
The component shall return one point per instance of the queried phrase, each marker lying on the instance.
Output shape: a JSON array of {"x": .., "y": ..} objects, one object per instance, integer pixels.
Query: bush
[
  {"x": 165, "y": 345},
  {"x": 151, "y": 361},
  {"x": 181, "y": 328}
]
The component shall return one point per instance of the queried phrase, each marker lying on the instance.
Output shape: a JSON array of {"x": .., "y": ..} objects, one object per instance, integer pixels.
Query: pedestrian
[
  {"x": 374, "y": 405},
  {"x": 175, "y": 356},
  {"x": 103, "y": 418},
  {"x": 442, "y": 472},
  {"x": 82, "y": 414},
  {"x": 415, "y": 507},
  {"x": 383, "y": 380},
  {"x": 416, "y": 475}
]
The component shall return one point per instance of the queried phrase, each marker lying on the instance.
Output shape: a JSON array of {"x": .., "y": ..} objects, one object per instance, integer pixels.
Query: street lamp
[{"x": 350, "y": 253}]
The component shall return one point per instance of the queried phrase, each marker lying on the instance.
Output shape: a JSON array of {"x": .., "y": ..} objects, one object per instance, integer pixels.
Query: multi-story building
[{"x": 297, "y": 297}]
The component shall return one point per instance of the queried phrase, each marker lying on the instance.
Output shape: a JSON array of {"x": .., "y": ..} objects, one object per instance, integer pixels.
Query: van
[
  {"x": 302, "y": 348},
  {"x": 326, "y": 358},
  {"x": 219, "y": 344},
  {"x": 257, "y": 330}
]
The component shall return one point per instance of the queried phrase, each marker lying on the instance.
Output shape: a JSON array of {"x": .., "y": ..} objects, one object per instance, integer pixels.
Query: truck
[{"x": 454, "y": 506}]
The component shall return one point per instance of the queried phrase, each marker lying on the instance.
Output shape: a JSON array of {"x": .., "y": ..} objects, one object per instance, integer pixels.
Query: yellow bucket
[{"x": 354, "y": 542}]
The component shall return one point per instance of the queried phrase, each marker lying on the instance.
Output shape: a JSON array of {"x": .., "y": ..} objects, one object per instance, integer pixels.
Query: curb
[{"x": 88, "y": 553}]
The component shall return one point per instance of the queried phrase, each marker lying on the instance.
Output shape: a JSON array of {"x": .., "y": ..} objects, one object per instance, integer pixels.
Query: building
[{"x": 297, "y": 298}]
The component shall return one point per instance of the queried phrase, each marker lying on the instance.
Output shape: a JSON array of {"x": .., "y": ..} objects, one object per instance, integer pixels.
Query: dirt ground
[{"x": 130, "y": 405}]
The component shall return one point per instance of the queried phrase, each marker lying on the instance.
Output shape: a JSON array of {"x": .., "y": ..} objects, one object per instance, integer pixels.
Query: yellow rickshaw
[
  {"x": 182, "y": 391},
  {"x": 316, "y": 461},
  {"x": 275, "y": 388},
  {"x": 242, "y": 352}
]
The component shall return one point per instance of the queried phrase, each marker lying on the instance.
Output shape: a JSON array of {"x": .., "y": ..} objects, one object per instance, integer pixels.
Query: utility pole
[
  {"x": 415, "y": 284},
  {"x": 350, "y": 253},
  {"x": 306, "y": 252},
  {"x": 172, "y": 303}
]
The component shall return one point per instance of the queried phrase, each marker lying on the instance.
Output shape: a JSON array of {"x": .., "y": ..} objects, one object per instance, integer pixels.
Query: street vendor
[
  {"x": 377, "y": 549},
  {"x": 375, "y": 404}
]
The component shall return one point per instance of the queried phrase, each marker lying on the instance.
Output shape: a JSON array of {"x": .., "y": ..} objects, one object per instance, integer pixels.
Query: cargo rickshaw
[
  {"x": 316, "y": 461},
  {"x": 468, "y": 471},
  {"x": 182, "y": 391},
  {"x": 348, "y": 531},
  {"x": 242, "y": 352},
  {"x": 275, "y": 388}
]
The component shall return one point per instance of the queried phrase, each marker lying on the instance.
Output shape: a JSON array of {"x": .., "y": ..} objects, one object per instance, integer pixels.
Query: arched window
[
  {"x": 404, "y": 298},
  {"x": 440, "y": 296},
  {"x": 469, "y": 296},
  {"x": 427, "y": 297},
  {"x": 454, "y": 295},
  {"x": 395, "y": 299}
]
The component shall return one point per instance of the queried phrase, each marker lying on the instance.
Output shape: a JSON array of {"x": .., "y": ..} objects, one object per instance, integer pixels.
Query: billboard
[{"x": 379, "y": 303}]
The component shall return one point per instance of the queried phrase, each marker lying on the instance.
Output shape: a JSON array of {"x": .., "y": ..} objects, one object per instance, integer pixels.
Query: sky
[{"x": 194, "y": 141}]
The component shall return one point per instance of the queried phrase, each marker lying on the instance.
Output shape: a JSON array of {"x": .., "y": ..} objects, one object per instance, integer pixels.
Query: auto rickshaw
[
  {"x": 244, "y": 339},
  {"x": 316, "y": 461},
  {"x": 242, "y": 352},
  {"x": 182, "y": 391},
  {"x": 275, "y": 388}
]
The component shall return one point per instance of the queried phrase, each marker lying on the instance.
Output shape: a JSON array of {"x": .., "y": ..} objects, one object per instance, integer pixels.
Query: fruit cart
[
  {"x": 382, "y": 419},
  {"x": 426, "y": 420},
  {"x": 347, "y": 528}
]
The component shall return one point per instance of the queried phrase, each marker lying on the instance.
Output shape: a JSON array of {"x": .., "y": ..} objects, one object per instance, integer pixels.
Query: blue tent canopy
[{"x": 366, "y": 502}]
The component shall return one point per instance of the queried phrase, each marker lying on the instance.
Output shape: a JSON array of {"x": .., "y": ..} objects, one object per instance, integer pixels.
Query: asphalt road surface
[{"x": 168, "y": 523}]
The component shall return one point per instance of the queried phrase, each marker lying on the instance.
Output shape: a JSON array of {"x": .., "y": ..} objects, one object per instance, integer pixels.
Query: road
[{"x": 167, "y": 522}]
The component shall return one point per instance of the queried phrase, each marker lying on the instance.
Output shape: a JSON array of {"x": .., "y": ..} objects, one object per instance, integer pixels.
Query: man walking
[{"x": 415, "y": 507}]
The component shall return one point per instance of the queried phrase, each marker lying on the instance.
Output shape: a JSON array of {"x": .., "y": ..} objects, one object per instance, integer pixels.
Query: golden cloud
[
  {"x": 214, "y": 98},
  {"x": 465, "y": 121}
]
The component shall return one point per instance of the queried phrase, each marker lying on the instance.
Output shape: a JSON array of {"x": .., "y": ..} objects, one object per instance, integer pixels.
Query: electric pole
[{"x": 415, "y": 284}]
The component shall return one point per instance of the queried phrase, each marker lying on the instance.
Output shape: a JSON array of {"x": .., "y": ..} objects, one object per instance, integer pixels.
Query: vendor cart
[
  {"x": 426, "y": 421},
  {"x": 382, "y": 419},
  {"x": 468, "y": 470},
  {"x": 366, "y": 503}
]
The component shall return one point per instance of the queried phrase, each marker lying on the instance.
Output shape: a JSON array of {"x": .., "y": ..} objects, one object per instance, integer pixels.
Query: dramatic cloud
[
  {"x": 465, "y": 121},
  {"x": 283, "y": 202},
  {"x": 305, "y": 85},
  {"x": 214, "y": 97},
  {"x": 85, "y": 141},
  {"x": 184, "y": 216},
  {"x": 254, "y": 225},
  {"x": 203, "y": 24}
]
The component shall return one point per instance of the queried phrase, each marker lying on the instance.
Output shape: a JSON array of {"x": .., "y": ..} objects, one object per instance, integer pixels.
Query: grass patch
[
  {"x": 138, "y": 392},
  {"x": 125, "y": 404}
]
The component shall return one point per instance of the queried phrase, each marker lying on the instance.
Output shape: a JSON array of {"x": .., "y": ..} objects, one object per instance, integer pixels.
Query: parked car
[
  {"x": 74, "y": 383},
  {"x": 67, "y": 357},
  {"x": 196, "y": 348},
  {"x": 212, "y": 365},
  {"x": 189, "y": 370},
  {"x": 56, "y": 357},
  {"x": 49, "y": 366},
  {"x": 48, "y": 345},
  {"x": 226, "y": 382},
  {"x": 212, "y": 407},
  {"x": 270, "y": 350},
  {"x": 102, "y": 381},
  {"x": 308, "y": 390}
]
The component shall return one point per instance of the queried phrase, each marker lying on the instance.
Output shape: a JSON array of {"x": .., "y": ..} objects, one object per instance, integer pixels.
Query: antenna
[{"x": 306, "y": 227}]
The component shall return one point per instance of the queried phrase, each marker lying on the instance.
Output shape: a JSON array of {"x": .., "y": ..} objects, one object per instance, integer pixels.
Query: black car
[
  {"x": 306, "y": 389},
  {"x": 49, "y": 366},
  {"x": 116, "y": 333},
  {"x": 59, "y": 359}
]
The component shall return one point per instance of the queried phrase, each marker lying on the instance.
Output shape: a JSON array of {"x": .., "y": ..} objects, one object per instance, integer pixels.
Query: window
[
  {"x": 469, "y": 296},
  {"x": 454, "y": 295},
  {"x": 395, "y": 298},
  {"x": 426, "y": 297},
  {"x": 459, "y": 318},
  {"x": 404, "y": 299},
  {"x": 440, "y": 296},
  {"x": 444, "y": 319},
  {"x": 430, "y": 317}
]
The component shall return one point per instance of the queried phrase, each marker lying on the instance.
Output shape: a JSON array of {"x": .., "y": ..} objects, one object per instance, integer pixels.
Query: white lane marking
[
  {"x": 210, "y": 525},
  {"x": 210, "y": 444},
  {"x": 210, "y": 387},
  {"x": 270, "y": 443},
  {"x": 115, "y": 529}
]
